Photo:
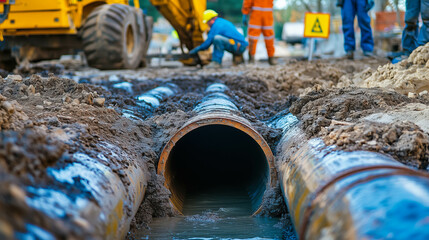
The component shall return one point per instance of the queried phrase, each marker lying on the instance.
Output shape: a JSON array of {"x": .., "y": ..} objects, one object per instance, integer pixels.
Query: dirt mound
[
  {"x": 318, "y": 109},
  {"x": 28, "y": 153},
  {"x": 405, "y": 141},
  {"x": 42, "y": 68},
  {"x": 11, "y": 114},
  {"x": 410, "y": 75},
  {"x": 255, "y": 98},
  {"x": 54, "y": 89},
  {"x": 417, "y": 113},
  {"x": 338, "y": 117},
  {"x": 291, "y": 78}
]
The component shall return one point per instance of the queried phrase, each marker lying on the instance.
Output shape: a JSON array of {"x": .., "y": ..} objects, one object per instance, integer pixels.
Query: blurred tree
[
  {"x": 148, "y": 8},
  {"x": 320, "y": 6},
  {"x": 228, "y": 9}
]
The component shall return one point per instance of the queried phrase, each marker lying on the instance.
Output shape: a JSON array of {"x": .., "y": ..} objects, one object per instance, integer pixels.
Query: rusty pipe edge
[
  {"x": 113, "y": 199},
  {"x": 349, "y": 195},
  {"x": 216, "y": 108}
]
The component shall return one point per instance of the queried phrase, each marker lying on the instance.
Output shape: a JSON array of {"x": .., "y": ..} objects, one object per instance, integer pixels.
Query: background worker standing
[
  {"x": 411, "y": 36},
  {"x": 349, "y": 10},
  {"x": 224, "y": 37},
  {"x": 261, "y": 20}
]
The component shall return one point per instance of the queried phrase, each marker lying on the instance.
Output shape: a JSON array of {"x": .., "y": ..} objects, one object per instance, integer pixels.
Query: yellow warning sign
[{"x": 316, "y": 25}]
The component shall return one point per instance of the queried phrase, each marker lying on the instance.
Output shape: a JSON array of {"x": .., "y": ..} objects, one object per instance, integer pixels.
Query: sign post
[{"x": 316, "y": 25}]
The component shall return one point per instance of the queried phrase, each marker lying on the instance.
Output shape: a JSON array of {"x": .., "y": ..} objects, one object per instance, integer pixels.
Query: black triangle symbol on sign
[{"x": 316, "y": 27}]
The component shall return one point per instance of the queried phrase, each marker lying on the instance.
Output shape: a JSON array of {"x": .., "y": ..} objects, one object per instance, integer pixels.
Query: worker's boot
[
  {"x": 369, "y": 54},
  {"x": 213, "y": 65},
  {"x": 237, "y": 60},
  {"x": 251, "y": 59},
  {"x": 399, "y": 59},
  {"x": 350, "y": 55},
  {"x": 272, "y": 61}
]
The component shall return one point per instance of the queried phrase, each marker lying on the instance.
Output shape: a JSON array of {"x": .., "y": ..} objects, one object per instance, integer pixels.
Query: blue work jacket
[{"x": 224, "y": 28}]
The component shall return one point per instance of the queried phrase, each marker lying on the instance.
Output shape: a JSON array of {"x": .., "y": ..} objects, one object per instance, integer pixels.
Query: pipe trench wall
[
  {"x": 216, "y": 147},
  {"x": 349, "y": 195}
]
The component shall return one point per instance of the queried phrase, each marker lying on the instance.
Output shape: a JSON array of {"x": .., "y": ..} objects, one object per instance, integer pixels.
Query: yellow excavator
[{"x": 113, "y": 34}]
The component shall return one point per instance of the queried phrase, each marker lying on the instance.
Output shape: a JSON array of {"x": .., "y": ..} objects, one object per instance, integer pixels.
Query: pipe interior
[{"x": 213, "y": 160}]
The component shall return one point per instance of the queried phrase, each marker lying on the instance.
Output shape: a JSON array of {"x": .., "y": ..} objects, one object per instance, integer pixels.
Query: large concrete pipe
[
  {"x": 215, "y": 149},
  {"x": 349, "y": 195}
]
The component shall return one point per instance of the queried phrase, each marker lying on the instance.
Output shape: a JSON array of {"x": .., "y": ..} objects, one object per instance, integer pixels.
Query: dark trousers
[
  {"x": 350, "y": 9},
  {"x": 412, "y": 36}
]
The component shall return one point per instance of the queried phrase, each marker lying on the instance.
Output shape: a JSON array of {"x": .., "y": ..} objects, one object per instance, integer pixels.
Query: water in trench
[
  {"x": 217, "y": 175},
  {"x": 215, "y": 214}
]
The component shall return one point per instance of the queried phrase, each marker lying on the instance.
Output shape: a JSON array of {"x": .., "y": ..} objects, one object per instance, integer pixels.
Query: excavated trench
[
  {"x": 219, "y": 151},
  {"x": 214, "y": 152},
  {"x": 216, "y": 158}
]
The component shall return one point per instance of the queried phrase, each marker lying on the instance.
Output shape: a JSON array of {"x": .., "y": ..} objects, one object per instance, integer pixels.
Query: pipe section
[
  {"x": 111, "y": 199},
  {"x": 154, "y": 97},
  {"x": 349, "y": 195},
  {"x": 216, "y": 148}
]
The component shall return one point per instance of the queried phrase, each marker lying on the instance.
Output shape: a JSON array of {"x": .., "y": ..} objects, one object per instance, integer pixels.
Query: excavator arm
[{"x": 186, "y": 17}]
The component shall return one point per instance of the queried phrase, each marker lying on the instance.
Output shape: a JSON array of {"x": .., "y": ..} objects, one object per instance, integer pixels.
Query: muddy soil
[
  {"x": 382, "y": 110},
  {"x": 27, "y": 154},
  {"x": 45, "y": 119},
  {"x": 339, "y": 117}
]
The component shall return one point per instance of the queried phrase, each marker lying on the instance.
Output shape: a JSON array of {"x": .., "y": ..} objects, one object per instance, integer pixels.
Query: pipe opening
[{"x": 215, "y": 159}]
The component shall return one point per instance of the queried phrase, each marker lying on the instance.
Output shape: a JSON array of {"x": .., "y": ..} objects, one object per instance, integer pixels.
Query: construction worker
[
  {"x": 349, "y": 10},
  {"x": 411, "y": 36},
  {"x": 261, "y": 20},
  {"x": 224, "y": 37}
]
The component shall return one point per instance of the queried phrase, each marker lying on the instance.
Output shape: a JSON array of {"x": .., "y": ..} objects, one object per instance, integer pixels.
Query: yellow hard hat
[{"x": 208, "y": 15}]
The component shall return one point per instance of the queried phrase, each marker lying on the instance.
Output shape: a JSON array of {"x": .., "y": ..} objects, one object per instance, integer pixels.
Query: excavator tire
[
  {"x": 112, "y": 38},
  {"x": 148, "y": 29}
]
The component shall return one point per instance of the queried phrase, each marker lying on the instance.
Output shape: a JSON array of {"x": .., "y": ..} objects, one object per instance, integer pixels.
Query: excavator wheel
[
  {"x": 148, "y": 37},
  {"x": 112, "y": 37}
]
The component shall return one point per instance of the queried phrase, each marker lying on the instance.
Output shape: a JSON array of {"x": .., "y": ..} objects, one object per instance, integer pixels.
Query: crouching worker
[{"x": 224, "y": 37}]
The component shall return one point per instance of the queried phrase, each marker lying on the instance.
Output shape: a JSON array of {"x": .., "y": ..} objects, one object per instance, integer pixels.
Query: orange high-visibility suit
[{"x": 261, "y": 20}]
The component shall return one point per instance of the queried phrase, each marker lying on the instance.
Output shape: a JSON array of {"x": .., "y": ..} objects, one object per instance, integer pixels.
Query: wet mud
[{"x": 46, "y": 118}]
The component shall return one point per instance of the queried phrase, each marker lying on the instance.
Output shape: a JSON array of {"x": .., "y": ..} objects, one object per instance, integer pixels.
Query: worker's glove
[
  {"x": 194, "y": 51},
  {"x": 369, "y": 5},
  {"x": 244, "y": 21},
  {"x": 340, "y": 3}
]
